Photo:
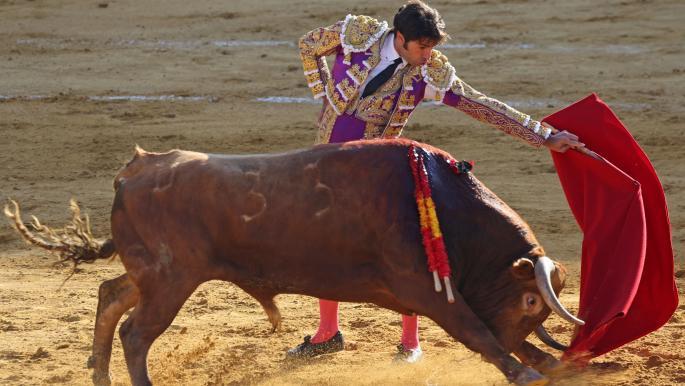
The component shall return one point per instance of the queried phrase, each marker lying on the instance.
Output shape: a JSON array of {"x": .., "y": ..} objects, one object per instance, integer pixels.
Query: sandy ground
[{"x": 74, "y": 76}]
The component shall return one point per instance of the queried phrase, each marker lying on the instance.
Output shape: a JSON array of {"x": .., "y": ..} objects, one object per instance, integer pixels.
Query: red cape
[{"x": 627, "y": 286}]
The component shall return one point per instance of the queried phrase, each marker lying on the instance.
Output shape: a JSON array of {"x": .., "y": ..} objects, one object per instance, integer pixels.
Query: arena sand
[{"x": 82, "y": 82}]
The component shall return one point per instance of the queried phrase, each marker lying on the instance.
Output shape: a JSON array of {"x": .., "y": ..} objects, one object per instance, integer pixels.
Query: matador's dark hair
[{"x": 417, "y": 21}]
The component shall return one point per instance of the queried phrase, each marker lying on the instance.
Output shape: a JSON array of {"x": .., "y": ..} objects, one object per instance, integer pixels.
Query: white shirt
[{"x": 388, "y": 56}]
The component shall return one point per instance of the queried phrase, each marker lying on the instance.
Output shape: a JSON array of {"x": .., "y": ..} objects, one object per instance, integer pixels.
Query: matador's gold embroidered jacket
[{"x": 356, "y": 42}]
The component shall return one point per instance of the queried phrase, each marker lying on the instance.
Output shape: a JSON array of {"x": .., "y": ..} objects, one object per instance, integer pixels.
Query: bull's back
[{"x": 314, "y": 206}]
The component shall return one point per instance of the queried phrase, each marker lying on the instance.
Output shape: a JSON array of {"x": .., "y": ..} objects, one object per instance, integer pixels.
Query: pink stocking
[
  {"x": 328, "y": 321},
  {"x": 410, "y": 331}
]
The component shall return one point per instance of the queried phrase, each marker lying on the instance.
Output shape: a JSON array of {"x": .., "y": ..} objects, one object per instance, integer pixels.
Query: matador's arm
[
  {"x": 444, "y": 85},
  {"x": 499, "y": 114},
  {"x": 314, "y": 47}
]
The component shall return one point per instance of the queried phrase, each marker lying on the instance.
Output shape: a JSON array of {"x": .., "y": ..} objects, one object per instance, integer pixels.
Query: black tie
[{"x": 381, "y": 78}]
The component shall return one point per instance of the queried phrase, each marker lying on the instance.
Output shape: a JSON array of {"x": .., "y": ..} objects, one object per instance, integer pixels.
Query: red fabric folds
[{"x": 627, "y": 284}]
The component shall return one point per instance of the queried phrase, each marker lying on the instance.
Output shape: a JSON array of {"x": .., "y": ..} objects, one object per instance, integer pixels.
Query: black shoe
[
  {"x": 307, "y": 349},
  {"x": 408, "y": 355}
]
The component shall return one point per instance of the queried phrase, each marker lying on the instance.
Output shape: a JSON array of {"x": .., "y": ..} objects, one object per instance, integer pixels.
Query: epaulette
[
  {"x": 438, "y": 72},
  {"x": 360, "y": 32}
]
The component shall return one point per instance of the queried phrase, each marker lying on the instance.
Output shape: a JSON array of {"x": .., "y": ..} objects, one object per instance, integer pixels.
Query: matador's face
[{"x": 415, "y": 52}]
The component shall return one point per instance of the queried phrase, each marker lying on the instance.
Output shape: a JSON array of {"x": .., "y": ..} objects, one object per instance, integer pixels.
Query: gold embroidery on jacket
[
  {"x": 315, "y": 45},
  {"x": 317, "y": 89},
  {"x": 400, "y": 118},
  {"x": 397, "y": 122},
  {"x": 375, "y": 109},
  {"x": 407, "y": 101},
  {"x": 326, "y": 123},
  {"x": 372, "y": 130},
  {"x": 360, "y": 73},
  {"x": 359, "y": 31},
  {"x": 357, "y": 74},
  {"x": 372, "y": 61},
  {"x": 392, "y": 132},
  {"x": 350, "y": 105},
  {"x": 462, "y": 88},
  {"x": 392, "y": 85},
  {"x": 375, "y": 57},
  {"x": 323, "y": 69},
  {"x": 387, "y": 104},
  {"x": 313, "y": 77},
  {"x": 320, "y": 42},
  {"x": 497, "y": 113},
  {"x": 414, "y": 74},
  {"x": 438, "y": 72},
  {"x": 334, "y": 97},
  {"x": 488, "y": 115},
  {"x": 346, "y": 89}
]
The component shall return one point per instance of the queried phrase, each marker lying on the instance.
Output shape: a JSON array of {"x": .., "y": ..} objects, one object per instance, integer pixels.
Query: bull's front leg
[
  {"x": 458, "y": 320},
  {"x": 538, "y": 359}
]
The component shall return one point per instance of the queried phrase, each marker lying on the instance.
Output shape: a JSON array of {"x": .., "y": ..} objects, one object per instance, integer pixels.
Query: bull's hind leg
[
  {"x": 156, "y": 309},
  {"x": 272, "y": 312},
  {"x": 115, "y": 297},
  {"x": 266, "y": 299}
]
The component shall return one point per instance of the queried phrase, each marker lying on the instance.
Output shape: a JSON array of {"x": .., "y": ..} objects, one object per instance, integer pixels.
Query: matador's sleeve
[
  {"x": 443, "y": 84},
  {"x": 314, "y": 47}
]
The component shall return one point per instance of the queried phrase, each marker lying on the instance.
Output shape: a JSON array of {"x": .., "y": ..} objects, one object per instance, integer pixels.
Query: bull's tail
[{"x": 74, "y": 242}]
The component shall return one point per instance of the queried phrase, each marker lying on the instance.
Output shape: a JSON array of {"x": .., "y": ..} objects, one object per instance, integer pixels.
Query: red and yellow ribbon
[{"x": 433, "y": 243}]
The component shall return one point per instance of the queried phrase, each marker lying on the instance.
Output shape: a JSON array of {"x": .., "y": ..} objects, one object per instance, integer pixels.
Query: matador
[{"x": 379, "y": 76}]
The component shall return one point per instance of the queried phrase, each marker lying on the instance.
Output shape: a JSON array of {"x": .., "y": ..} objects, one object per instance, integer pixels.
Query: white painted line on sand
[
  {"x": 160, "y": 44},
  {"x": 151, "y": 98},
  {"x": 115, "y": 98},
  {"x": 70, "y": 43}
]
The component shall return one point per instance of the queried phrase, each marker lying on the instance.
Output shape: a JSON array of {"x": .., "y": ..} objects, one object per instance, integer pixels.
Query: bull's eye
[{"x": 532, "y": 303}]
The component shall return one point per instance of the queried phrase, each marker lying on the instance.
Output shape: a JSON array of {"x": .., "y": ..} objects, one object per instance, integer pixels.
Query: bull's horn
[
  {"x": 543, "y": 277},
  {"x": 547, "y": 339}
]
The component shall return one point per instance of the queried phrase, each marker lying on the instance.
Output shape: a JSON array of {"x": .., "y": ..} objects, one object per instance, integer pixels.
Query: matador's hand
[{"x": 561, "y": 140}]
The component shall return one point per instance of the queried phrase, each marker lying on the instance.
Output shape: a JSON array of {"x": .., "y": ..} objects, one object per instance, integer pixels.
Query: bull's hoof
[
  {"x": 102, "y": 379},
  {"x": 530, "y": 377},
  {"x": 307, "y": 349},
  {"x": 550, "y": 366},
  {"x": 408, "y": 355}
]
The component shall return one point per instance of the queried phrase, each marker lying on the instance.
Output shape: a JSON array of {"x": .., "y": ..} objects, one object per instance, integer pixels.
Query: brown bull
[{"x": 343, "y": 215}]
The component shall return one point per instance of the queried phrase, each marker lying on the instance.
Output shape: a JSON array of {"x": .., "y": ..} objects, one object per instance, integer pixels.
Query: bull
[{"x": 340, "y": 214}]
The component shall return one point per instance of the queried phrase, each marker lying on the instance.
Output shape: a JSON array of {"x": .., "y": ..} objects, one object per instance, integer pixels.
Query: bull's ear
[{"x": 523, "y": 269}]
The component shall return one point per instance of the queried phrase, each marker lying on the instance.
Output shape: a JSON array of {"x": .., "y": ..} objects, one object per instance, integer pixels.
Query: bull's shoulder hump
[
  {"x": 145, "y": 163},
  {"x": 146, "y": 160},
  {"x": 175, "y": 157},
  {"x": 148, "y": 156}
]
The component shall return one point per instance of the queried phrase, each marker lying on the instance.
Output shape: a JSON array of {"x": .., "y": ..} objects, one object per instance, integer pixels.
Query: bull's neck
[{"x": 482, "y": 234}]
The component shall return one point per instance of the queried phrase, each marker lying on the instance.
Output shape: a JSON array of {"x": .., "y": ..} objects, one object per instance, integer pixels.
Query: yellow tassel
[
  {"x": 423, "y": 215},
  {"x": 433, "y": 218}
]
